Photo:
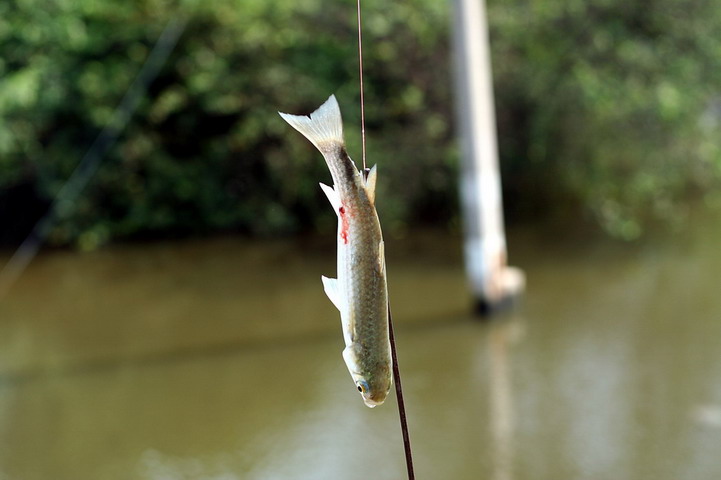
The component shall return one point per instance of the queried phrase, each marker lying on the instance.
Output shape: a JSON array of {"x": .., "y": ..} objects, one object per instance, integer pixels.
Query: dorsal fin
[{"x": 370, "y": 184}]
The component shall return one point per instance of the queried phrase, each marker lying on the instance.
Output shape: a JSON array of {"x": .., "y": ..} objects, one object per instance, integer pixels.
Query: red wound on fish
[{"x": 343, "y": 225}]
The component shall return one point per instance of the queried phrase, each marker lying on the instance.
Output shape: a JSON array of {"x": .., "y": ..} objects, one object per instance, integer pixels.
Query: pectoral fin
[
  {"x": 330, "y": 285},
  {"x": 332, "y": 197},
  {"x": 348, "y": 327},
  {"x": 350, "y": 355},
  {"x": 382, "y": 258},
  {"x": 370, "y": 184}
]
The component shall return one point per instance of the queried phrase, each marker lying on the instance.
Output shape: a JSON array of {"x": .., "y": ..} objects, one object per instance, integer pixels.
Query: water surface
[{"x": 220, "y": 359}]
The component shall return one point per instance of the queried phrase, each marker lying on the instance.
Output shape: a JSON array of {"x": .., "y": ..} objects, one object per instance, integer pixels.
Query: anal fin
[{"x": 333, "y": 197}]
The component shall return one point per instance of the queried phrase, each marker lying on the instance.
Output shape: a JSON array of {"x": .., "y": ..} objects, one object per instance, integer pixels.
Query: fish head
[
  {"x": 372, "y": 382},
  {"x": 373, "y": 395},
  {"x": 373, "y": 386}
]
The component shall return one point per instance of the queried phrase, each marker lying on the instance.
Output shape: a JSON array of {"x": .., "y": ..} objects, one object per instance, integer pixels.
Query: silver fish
[{"x": 360, "y": 292}]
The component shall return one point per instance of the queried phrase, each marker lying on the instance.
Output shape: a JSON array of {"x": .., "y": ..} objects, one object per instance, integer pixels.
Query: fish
[{"x": 360, "y": 291}]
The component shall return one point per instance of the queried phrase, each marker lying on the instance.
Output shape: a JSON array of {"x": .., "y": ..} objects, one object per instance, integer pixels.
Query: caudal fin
[{"x": 321, "y": 127}]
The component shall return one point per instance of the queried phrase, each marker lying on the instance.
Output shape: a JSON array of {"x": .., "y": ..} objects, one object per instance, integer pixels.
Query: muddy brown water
[{"x": 220, "y": 359}]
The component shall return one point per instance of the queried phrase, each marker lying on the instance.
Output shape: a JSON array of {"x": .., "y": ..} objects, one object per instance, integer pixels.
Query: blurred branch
[{"x": 66, "y": 197}]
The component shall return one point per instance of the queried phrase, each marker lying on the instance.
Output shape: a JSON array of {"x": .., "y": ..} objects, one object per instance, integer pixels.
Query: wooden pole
[{"x": 493, "y": 283}]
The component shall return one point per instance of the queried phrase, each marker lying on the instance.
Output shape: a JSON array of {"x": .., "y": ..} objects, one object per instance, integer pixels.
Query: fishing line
[
  {"x": 399, "y": 395},
  {"x": 79, "y": 178},
  {"x": 360, "y": 76},
  {"x": 391, "y": 336}
]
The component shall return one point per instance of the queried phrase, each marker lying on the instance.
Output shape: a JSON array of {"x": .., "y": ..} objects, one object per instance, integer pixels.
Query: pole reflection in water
[{"x": 500, "y": 337}]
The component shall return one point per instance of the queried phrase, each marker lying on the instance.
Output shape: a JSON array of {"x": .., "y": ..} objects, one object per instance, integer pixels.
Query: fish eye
[
  {"x": 362, "y": 386},
  {"x": 360, "y": 389}
]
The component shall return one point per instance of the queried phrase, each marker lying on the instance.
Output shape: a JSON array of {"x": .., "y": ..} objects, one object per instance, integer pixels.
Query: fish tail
[{"x": 323, "y": 128}]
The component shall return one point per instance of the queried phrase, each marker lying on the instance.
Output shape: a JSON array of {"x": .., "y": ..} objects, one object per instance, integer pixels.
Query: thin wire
[
  {"x": 391, "y": 336},
  {"x": 360, "y": 76},
  {"x": 69, "y": 192},
  {"x": 399, "y": 395}
]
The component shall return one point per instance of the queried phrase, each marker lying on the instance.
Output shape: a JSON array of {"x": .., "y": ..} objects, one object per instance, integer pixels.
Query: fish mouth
[{"x": 373, "y": 403}]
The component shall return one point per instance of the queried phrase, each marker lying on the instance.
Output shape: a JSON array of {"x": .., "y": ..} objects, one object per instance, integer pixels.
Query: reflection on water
[
  {"x": 500, "y": 336},
  {"x": 221, "y": 360}
]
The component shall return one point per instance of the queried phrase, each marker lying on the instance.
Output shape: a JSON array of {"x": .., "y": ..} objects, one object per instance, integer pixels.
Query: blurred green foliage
[
  {"x": 608, "y": 105},
  {"x": 605, "y": 108}
]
